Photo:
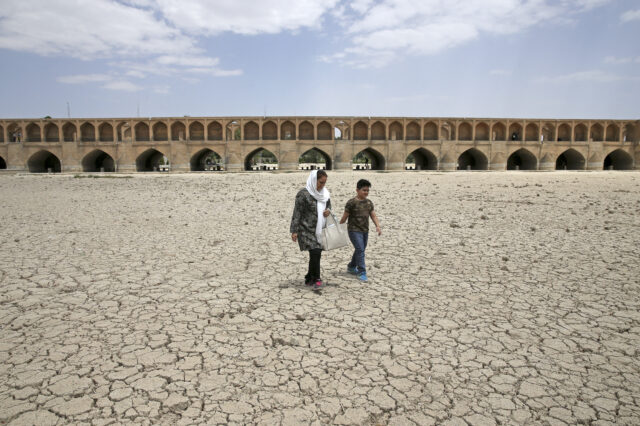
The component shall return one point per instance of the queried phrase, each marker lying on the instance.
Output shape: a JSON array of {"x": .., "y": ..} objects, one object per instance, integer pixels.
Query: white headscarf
[{"x": 321, "y": 197}]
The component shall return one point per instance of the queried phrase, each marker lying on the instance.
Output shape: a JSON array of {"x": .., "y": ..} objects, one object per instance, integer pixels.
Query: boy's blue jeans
[{"x": 359, "y": 241}]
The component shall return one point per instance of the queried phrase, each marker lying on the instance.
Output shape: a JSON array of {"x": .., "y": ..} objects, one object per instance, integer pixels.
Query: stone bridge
[{"x": 136, "y": 144}]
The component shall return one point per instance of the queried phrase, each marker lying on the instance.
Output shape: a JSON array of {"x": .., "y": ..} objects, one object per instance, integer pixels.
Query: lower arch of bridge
[
  {"x": 315, "y": 158},
  {"x": 423, "y": 159},
  {"x": 618, "y": 160},
  {"x": 472, "y": 159},
  {"x": 149, "y": 161},
  {"x": 43, "y": 162},
  {"x": 206, "y": 160},
  {"x": 374, "y": 160},
  {"x": 98, "y": 161},
  {"x": 261, "y": 158},
  {"x": 522, "y": 159},
  {"x": 3, "y": 164},
  {"x": 570, "y": 160}
]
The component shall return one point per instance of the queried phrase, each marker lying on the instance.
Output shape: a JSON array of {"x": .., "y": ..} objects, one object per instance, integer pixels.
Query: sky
[{"x": 416, "y": 58}]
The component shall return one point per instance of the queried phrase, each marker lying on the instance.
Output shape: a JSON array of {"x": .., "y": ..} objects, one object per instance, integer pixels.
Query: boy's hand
[
  {"x": 379, "y": 230},
  {"x": 326, "y": 213},
  {"x": 294, "y": 237}
]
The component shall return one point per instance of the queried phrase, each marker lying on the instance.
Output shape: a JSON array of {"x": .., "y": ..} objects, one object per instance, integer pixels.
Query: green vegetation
[{"x": 312, "y": 156}]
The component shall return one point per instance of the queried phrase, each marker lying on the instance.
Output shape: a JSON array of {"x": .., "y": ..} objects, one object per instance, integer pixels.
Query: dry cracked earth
[{"x": 495, "y": 298}]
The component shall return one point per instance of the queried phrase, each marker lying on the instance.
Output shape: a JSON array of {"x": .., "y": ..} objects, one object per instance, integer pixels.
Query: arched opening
[
  {"x": 531, "y": 132},
  {"x": 618, "y": 160},
  {"x": 288, "y": 131},
  {"x": 160, "y": 132},
  {"x": 206, "y": 160},
  {"x": 522, "y": 159},
  {"x": 214, "y": 131},
  {"x": 564, "y": 133},
  {"x": 581, "y": 133},
  {"x": 33, "y": 133},
  {"x": 105, "y": 132},
  {"x": 368, "y": 159},
  {"x": 123, "y": 132},
  {"x": 3, "y": 164},
  {"x": 251, "y": 131},
  {"x": 306, "y": 131},
  {"x": 421, "y": 159},
  {"x": 482, "y": 132},
  {"x": 178, "y": 131},
  {"x": 448, "y": 131},
  {"x": 269, "y": 131},
  {"x": 613, "y": 133},
  {"x": 87, "y": 133},
  {"x": 472, "y": 159},
  {"x": 98, "y": 161},
  {"x": 1, "y": 134},
  {"x": 51, "y": 133},
  {"x": 152, "y": 160},
  {"x": 630, "y": 134},
  {"x": 342, "y": 131},
  {"x": 378, "y": 131},
  {"x": 430, "y": 131},
  {"x": 261, "y": 159},
  {"x": 395, "y": 131},
  {"x": 548, "y": 132},
  {"x": 413, "y": 131},
  {"x": 196, "y": 131},
  {"x": 314, "y": 159},
  {"x": 464, "y": 132},
  {"x": 44, "y": 162},
  {"x": 142, "y": 132},
  {"x": 324, "y": 131},
  {"x": 14, "y": 133},
  {"x": 360, "y": 131},
  {"x": 597, "y": 132},
  {"x": 570, "y": 160},
  {"x": 515, "y": 132},
  {"x": 499, "y": 132}
]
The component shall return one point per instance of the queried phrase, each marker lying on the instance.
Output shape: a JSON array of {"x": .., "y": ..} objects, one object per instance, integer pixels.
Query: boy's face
[{"x": 363, "y": 192}]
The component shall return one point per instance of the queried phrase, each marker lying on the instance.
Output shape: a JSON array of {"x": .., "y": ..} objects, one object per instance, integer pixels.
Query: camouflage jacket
[{"x": 305, "y": 219}]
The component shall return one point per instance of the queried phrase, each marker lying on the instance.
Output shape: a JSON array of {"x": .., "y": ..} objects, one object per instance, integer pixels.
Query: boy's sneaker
[
  {"x": 362, "y": 276},
  {"x": 318, "y": 285},
  {"x": 352, "y": 270},
  {"x": 308, "y": 282}
]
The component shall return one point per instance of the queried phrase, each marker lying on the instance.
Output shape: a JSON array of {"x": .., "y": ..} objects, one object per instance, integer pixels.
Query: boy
[{"x": 358, "y": 210}]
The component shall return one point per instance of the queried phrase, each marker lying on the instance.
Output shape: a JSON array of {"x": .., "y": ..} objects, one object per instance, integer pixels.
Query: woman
[{"x": 311, "y": 208}]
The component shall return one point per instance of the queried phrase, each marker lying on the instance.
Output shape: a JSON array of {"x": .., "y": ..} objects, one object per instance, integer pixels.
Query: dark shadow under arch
[
  {"x": 373, "y": 160},
  {"x": 522, "y": 159},
  {"x": 314, "y": 156},
  {"x": 3, "y": 164},
  {"x": 149, "y": 161},
  {"x": 473, "y": 159},
  {"x": 261, "y": 159},
  {"x": 570, "y": 160},
  {"x": 44, "y": 162},
  {"x": 98, "y": 161},
  {"x": 618, "y": 160},
  {"x": 423, "y": 159},
  {"x": 206, "y": 160}
]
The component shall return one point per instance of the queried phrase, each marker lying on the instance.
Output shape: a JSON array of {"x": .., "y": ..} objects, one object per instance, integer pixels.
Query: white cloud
[
  {"x": 84, "y": 78},
  {"x": 618, "y": 61},
  {"x": 590, "y": 76},
  {"x": 382, "y": 31},
  {"x": 630, "y": 15},
  {"x": 122, "y": 85}
]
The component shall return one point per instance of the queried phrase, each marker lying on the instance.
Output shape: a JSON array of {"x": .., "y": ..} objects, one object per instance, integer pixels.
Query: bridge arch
[
  {"x": 424, "y": 159},
  {"x": 315, "y": 156},
  {"x": 548, "y": 132},
  {"x": 482, "y": 132},
  {"x": 206, "y": 160},
  {"x": 178, "y": 131},
  {"x": 251, "y": 131},
  {"x": 69, "y": 132},
  {"x": 150, "y": 160},
  {"x": 373, "y": 160},
  {"x": 396, "y": 132},
  {"x": 269, "y": 131},
  {"x": 160, "y": 132},
  {"x": 196, "y": 131},
  {"x": 613, "y": 133},
  {"x": 1, "y": 134},
  {"x": 564, "y": 133},
  {"x": 464, "y": 132},
  {"x": 430, "y": 131},
  {"x": 43, "y": 161},
  {"x": 306, "y": 131},
  {"x": 378, "y": 131},
  {"x": 87, "y": 132},
  {"x": 141, "y": 131},
  {"x": 360, "y": 131},
  {"x": 522, "y": 159},
  {"x": 3, "y": 164},
  {"x": 515, "y": 132},
  {"x": 597, "y": 132},
  {"x": 105, "y": 132},
  {"x": 288, "y": 130},
  {"x": 324, "y": 131},
  {"x": 214, "y": 131},
  {"x": 51, "y": 133},
  {"x": 33, "y": 133},
  {"x": 473, "y": 159},
  {"x": 531, "y": 132},
  {"x": 413, "y": 131},
  {"x": 580, "y": 133},
  {"x": 97, "y": 161},
  {"x": 618, "y": 160},
  {"x": 261, "y": 158},
  {"x": 570, "y": 160},
  {"x": 499, "y": 132}
]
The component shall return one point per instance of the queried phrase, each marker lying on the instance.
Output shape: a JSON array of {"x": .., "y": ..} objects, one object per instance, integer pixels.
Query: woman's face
[{"x": 321, "y": 183}]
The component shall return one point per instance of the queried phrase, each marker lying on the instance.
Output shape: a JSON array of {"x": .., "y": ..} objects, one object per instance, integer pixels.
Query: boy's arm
[
  {"x": 345, "y": 215},
  {"x": 375, "y": 220}
]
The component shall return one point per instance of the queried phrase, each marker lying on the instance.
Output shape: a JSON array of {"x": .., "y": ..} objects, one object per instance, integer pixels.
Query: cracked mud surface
[{"x": 495, "y": 298}]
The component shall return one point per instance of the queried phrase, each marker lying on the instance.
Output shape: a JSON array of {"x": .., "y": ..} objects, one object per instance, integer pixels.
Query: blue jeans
[{"x": 359, "y": 241}]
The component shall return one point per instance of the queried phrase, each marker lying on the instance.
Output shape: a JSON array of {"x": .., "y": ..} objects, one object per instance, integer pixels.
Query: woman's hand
[
  {"x": 294, "y": 237},
  {"x": 326, "y": 213}
]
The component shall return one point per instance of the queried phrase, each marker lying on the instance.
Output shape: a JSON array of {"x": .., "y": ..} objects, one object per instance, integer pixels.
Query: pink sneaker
[{"x": 318, "y": 285}]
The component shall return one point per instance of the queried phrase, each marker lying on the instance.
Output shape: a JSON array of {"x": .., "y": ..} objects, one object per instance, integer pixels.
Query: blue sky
[{"x": 433, "y": 58}]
